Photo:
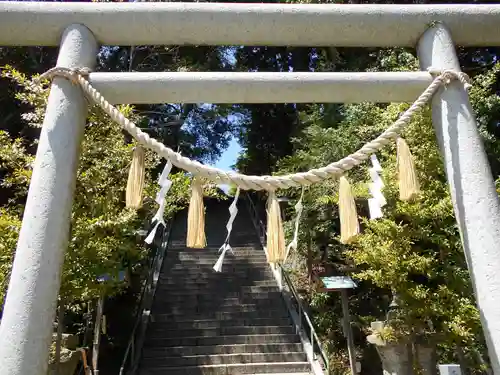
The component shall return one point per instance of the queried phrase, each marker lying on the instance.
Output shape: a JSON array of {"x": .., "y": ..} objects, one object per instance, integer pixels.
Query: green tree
[
  {"x": 414, "y": 252},
  {"x": 103, "y": 230}
]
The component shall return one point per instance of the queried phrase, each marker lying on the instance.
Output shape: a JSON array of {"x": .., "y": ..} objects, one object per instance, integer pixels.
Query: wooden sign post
[{"x": 342, "y": 284}]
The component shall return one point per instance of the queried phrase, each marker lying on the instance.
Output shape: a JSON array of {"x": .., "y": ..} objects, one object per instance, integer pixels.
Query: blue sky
[
  {"x": 229, "y": 156},
  {"x": 227, "y": 159}
]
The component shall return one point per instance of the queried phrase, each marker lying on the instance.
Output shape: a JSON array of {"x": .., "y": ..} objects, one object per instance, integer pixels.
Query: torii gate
[{"x": 78, "y": 28}]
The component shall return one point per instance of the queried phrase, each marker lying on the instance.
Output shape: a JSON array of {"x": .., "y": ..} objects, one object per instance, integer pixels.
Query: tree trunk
[
  {"x": 97, "y": 335},
  {"x": 309, "y": 259}
]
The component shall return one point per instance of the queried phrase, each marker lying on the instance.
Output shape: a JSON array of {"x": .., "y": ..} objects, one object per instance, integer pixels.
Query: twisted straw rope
[{"x": 271, "y": 183}]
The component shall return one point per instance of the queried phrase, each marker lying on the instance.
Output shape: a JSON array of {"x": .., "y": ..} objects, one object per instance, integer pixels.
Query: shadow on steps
[{"x": 233, "y": 322}]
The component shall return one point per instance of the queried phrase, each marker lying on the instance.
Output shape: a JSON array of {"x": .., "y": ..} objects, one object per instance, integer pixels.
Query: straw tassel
[
  {"x": 409, "y": 186},
  {"x": 135, "y": 183},
  {"x": 349, "y": 226},
  {"x": 275, "y": 234},
  {"x": 196, "y": 217}
]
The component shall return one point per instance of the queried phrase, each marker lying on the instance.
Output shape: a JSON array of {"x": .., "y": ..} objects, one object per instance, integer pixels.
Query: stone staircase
[{"x": 233, "y": 322}]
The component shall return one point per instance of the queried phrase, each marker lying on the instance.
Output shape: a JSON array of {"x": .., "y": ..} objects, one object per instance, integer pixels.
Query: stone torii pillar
[
  {"x": 26, "y": 327},
  {"x": 475, "y": 199}
]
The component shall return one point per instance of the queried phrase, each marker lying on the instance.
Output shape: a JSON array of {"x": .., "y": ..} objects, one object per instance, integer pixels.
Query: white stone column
[
  {"x": 475, "y": 199},
  {"x": 26, "y": 327}
]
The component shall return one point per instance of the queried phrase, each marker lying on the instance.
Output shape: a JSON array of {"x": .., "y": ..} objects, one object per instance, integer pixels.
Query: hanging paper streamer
[
  {"x": 164, "y": 182},
  {"x": 233, "y": 211},
  {"x": 218, "y": 265},
  {"x": 378, "y": 200},
  {"x": 159, "y": 221},
  {"x": 165, "y": 185},
  {"x": 375, "y": 209},
  {"x": 298, "y": 210},
  {"x": 375, "y": 163}
]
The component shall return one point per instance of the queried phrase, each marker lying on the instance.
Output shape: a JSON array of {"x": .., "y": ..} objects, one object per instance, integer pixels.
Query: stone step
[
  {"x": 212, "y": 323},
  {"x": 210, "y": 299},
  {"x": 239, "y": 255},
  {"x": 239, "y": 251},
  {"x": 214, "y": 243},
  {"x": 231, "y": 369},
  {"x": 221, "y": 340},
  {"x": 160, "y": 331},
  {"x": 213, "y": 277},
  {"x": 223, "y": 296},
  {"x": 209, "y": 308},
  {"x": 208, "y": 264},
  {"x": 215, "y": 281},
  {"x": 221, "y": 349},
  {"x": 230, "y": 291},
  {"x": 233, "y": 322},
  {"x": 218, "y": 315},
  {"x": 245, "y": 272},
  {"x": 223, "y": 359}
]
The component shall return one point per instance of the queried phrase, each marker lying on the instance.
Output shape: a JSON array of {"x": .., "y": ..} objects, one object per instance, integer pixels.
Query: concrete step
[
  {"x": 213, "y": 281},
  {"x": 221, "y": 340},
  {"x": 220, "y": 299},
  {"x": 216, "y": 277},
  {"x": 231, "y": 369},
  {"x": 159, "y": 331},
  {"x": 250, "y": 249},
  {"x": 240, "y": 254},
  {"x": 193, "y": 273},
  {"x": 218, "y": 315},
  {"x": 234, "y": 322},
  {"x": 209, "y": 308},
  {"x": 212, "y": 323},
  {"x": 207, "y": 265},
  {"x": 244, "y": 256},
  {"x": 230, "y": 291},
  {"x": 221, "y": 349},
  {"x": 223, "y": 359}
]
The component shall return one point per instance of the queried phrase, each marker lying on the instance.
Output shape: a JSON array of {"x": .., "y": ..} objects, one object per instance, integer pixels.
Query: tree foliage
[
  {"x": 414, "y": 252},
  {"x": 103, "y": 230}
]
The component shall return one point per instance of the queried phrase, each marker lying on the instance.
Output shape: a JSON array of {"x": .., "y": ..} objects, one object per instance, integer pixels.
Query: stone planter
[
  {"x": 69, "y": 361},
  {"x": 396, "y": 357},
  {"x": 69, "y": 355},
  {"x": 427, "y": 359}
]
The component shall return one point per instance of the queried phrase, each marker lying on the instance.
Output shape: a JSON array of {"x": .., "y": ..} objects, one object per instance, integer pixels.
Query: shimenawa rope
[{"x": 270, "y": 183}]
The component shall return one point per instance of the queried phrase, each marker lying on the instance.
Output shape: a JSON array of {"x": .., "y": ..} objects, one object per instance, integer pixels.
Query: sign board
[
  {"x": 331, "y": 283},
  {"x": 107, "y": 277},
  {"x": 450, "y": 369}
]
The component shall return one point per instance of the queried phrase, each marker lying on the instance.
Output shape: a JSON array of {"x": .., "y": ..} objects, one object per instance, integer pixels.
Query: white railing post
[
  {"x": 26, "y": 327},
  {"x": 475, "y": 200}
]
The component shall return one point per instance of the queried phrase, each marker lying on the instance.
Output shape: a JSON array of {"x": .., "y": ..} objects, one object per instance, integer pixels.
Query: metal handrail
[
  {"x": 132, "y": 353},
  {"x": 258, "y": 223},
  {"x": 301, "y": 312},
  {"x": 304, "y": 315}
]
